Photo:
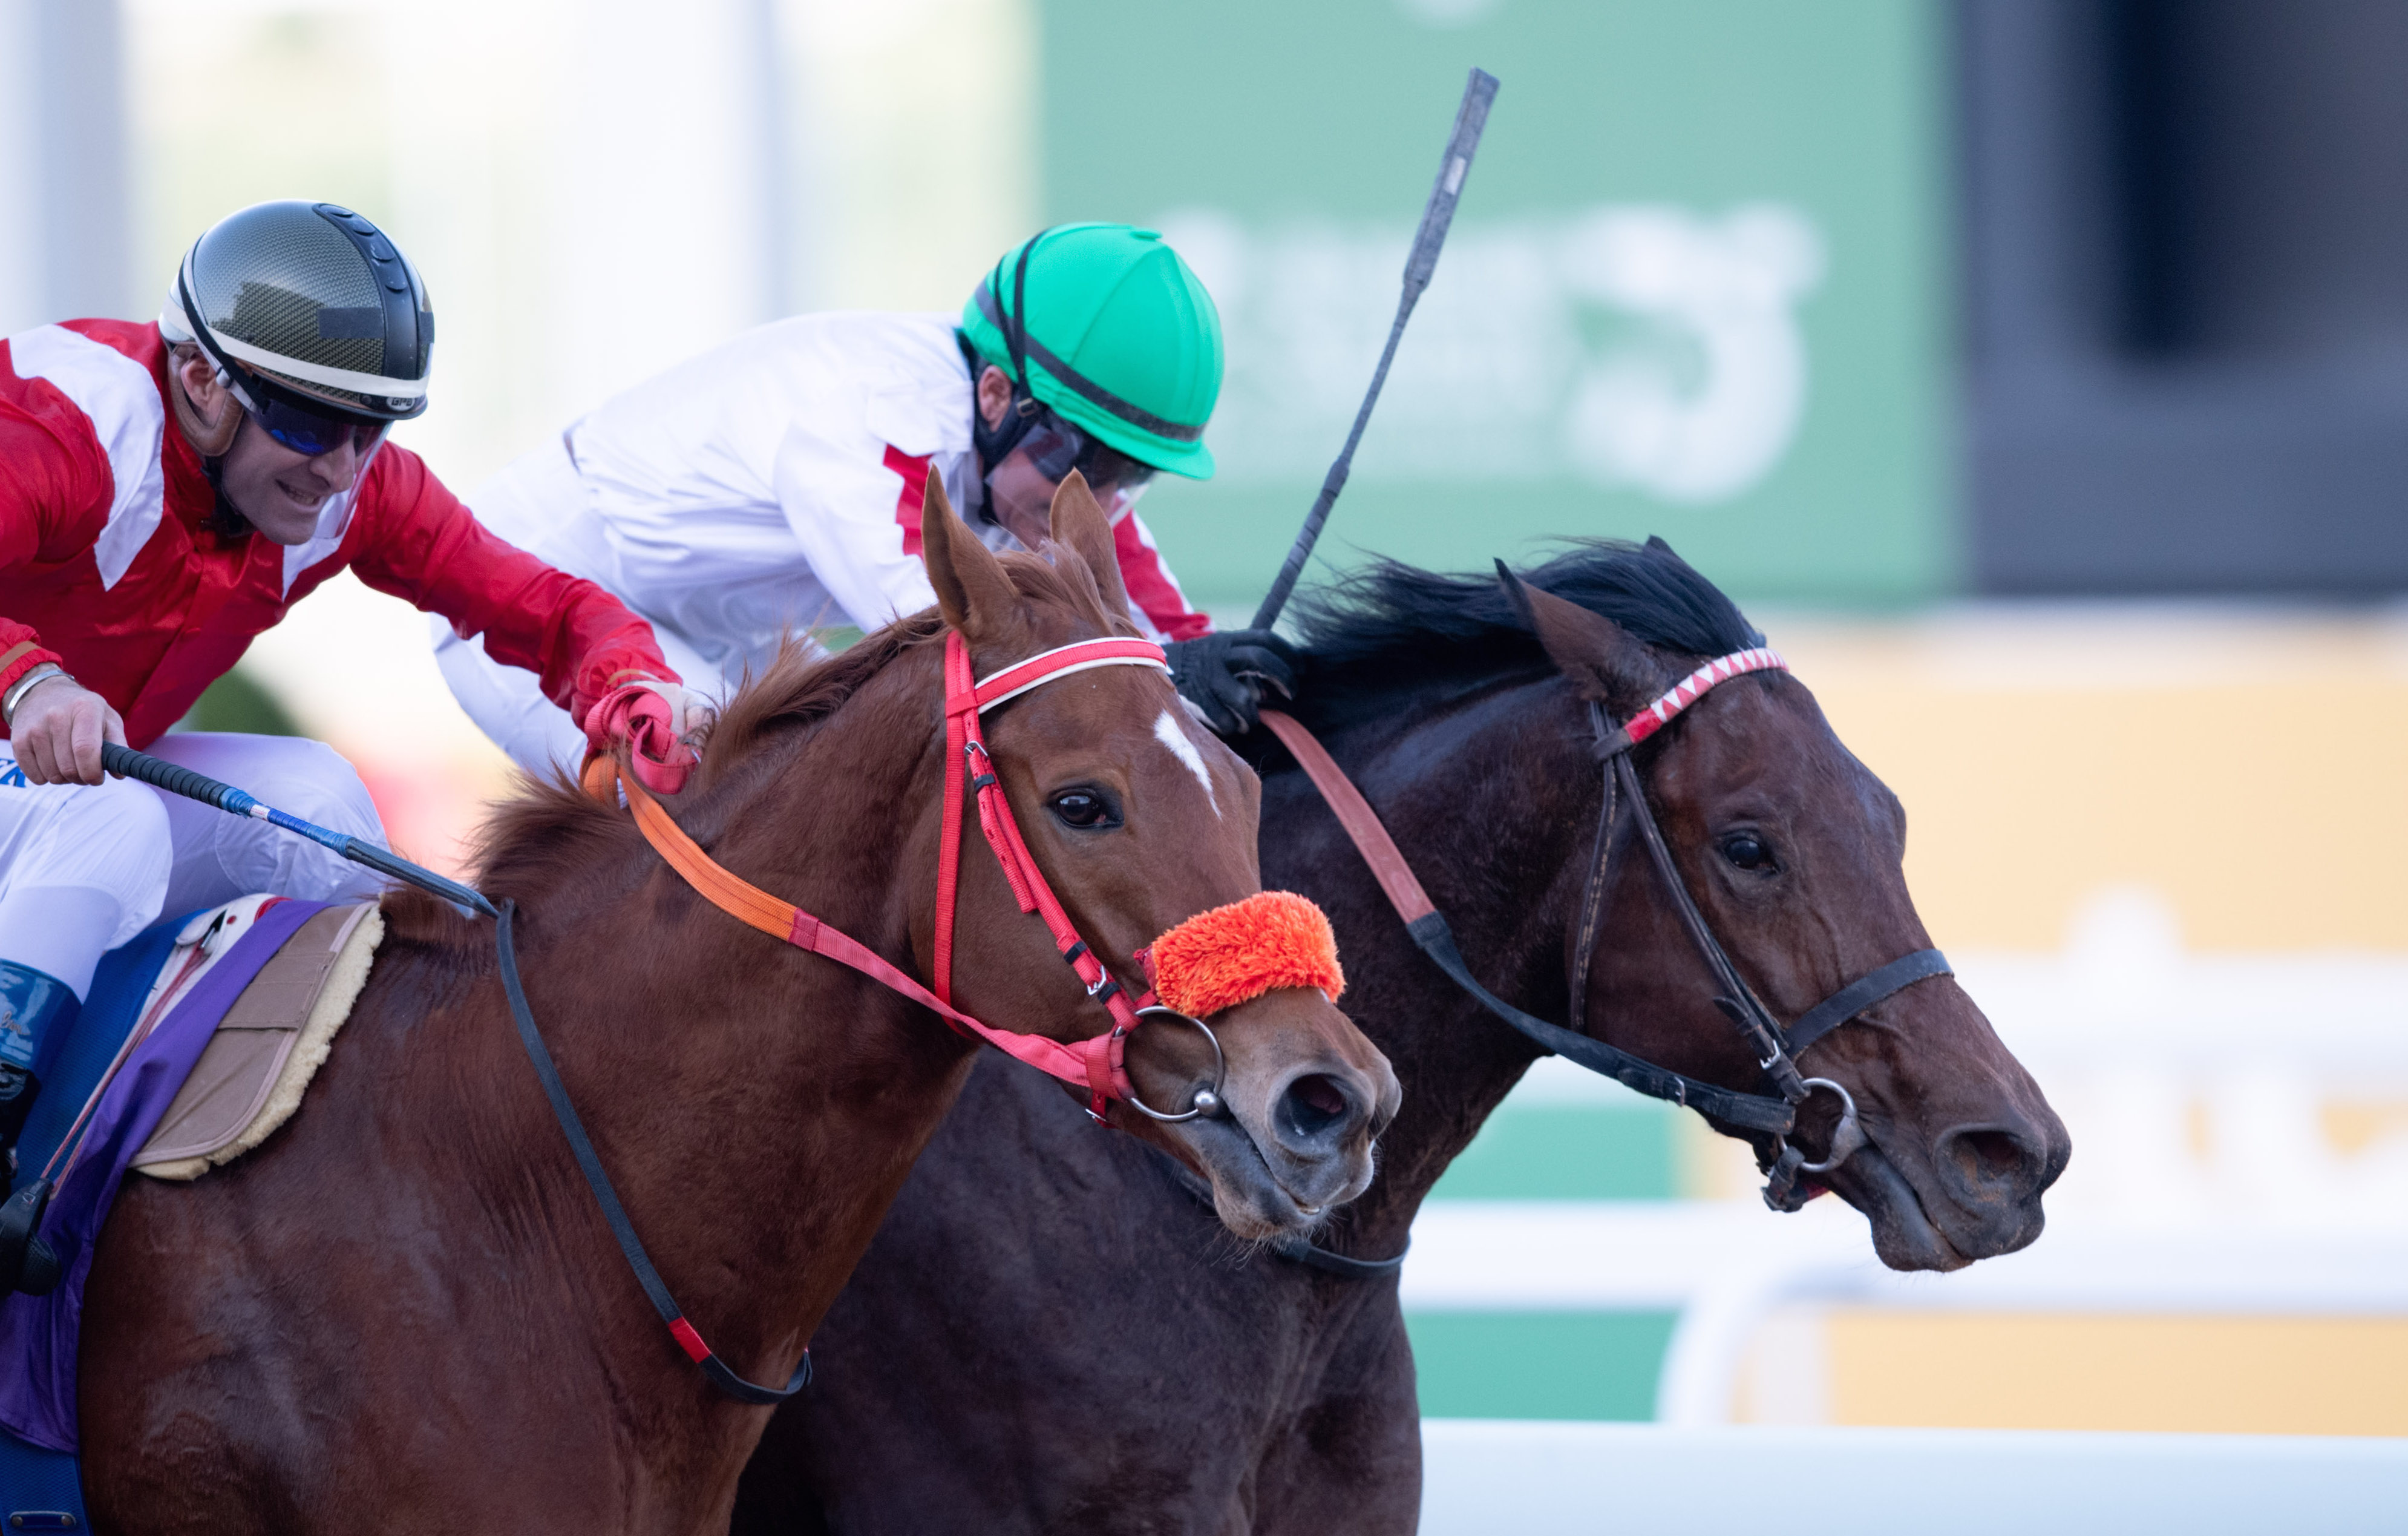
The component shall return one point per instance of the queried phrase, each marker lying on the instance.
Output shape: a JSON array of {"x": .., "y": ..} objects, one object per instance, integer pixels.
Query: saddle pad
[
  {"x": 159, "y": 1031},
  {"x": 271, "y": 1042}
]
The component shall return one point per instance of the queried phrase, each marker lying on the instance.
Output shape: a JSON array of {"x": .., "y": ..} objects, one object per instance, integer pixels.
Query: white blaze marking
[{"x": 1166, "y": 731}]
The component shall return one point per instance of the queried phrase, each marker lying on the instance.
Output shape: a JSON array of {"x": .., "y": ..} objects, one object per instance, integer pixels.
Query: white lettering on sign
[{"x": 1648, "y": 348}]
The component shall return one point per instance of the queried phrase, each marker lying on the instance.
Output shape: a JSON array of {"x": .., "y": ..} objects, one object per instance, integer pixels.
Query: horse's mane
[
  {"x": 551, "y": 828},
  {"x": 1395, "y": 620}
]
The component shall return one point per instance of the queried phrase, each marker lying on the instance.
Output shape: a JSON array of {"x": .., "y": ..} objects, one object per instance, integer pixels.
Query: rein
[
  {"x": 1288, "y": 938},
  {"x": 1776, "y": 1049}
]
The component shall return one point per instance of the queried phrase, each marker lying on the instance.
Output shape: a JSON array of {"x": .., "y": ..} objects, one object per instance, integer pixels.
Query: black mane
[{"x": 1398, "y": 619}]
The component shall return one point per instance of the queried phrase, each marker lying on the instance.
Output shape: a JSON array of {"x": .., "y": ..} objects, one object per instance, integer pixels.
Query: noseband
[{"x": 1776, "y": 1049}]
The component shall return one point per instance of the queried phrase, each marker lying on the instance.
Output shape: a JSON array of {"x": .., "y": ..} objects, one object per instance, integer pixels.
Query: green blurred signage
[{"x": 1694, "y": 289}]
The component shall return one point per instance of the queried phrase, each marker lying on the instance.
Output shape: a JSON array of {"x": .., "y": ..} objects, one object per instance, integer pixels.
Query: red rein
[{"x": 1212, "y": 961}]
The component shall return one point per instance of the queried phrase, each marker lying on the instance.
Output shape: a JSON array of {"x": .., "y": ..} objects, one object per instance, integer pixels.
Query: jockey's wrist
[{"x": 33, "y": 679}]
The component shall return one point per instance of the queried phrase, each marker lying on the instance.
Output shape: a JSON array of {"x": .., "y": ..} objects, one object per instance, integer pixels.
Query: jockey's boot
[{"x": 34, "y": 1007}]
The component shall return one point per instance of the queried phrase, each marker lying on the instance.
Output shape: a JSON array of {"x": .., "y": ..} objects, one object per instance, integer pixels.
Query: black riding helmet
[{"x": 306, "y": 306}]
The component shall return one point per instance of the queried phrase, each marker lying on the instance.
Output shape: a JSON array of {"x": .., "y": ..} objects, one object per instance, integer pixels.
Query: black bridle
[{"x": 1775, "y": 1047}]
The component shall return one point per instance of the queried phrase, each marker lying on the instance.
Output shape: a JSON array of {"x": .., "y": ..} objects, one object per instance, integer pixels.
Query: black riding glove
[{"x": 1224, "y": 674}]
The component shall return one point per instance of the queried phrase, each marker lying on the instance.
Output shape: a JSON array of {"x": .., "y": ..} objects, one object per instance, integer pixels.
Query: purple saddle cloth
[{"x": 39, "y": 1333}]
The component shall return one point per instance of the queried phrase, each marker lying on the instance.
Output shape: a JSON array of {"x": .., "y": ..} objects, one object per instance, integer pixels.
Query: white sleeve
[{"x": 844, "y": 502}]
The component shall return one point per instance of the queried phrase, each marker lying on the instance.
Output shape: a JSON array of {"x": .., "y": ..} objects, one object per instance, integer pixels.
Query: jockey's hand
[
  {"x": 58, "y": 730},
  {"x": 658, "y": 721},
  {"x": 1224, "y": 674},
  {"x": 689, "y": 711}
]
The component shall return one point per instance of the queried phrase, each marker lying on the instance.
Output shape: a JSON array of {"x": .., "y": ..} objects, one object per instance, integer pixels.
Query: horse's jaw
[
  {"x": 1251, "y": 1200},
  {"x": 1904, "y": 1235}
]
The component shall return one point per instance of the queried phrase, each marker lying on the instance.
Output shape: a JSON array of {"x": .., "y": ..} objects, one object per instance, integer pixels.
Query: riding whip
[
  {"x": 1469, "y": 118},
  {"x": 199, "y": 786}
]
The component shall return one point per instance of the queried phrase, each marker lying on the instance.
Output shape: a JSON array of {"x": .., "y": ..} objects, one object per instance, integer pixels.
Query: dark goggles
[
  {"x": 1055, "y": 447},
  {"x": 307, "y": 433}
]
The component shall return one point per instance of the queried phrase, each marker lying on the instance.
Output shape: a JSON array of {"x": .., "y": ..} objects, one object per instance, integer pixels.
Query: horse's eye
[
  {"x": 1083, "y": 808},
  {"x": 1748, "y": 853}
]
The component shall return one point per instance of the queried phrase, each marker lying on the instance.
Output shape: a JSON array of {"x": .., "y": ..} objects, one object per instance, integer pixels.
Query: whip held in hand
[
  {"x": 1469, "y": 118},
  {"x": 199, "y": 786}
]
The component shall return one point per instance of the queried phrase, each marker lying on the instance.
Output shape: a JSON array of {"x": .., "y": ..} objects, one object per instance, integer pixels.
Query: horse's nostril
[
  {"x": 1988, "y": 1157},
  {"x": 1314, "y": 1103}
]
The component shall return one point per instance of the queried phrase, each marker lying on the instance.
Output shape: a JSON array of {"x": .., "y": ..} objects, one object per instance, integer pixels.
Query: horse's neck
[
  {"x": 759, "y": 1106},
  {"x": 1498, "y": 859}
]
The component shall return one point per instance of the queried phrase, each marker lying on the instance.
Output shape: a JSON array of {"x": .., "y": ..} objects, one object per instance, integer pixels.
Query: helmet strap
[
  {"x": 994, "y": 444},
  {"x": 225, "y": 518},
  {"x": 209, "y": 442}
]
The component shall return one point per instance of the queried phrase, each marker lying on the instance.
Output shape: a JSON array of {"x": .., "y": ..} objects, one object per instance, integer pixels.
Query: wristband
[{"x": 23, "y": 685}]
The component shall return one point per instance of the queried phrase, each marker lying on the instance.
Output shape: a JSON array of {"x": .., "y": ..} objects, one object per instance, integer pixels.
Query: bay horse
[
  {"x": 405, "y": 1312},
  {"x": 1170, "y": 1381}
]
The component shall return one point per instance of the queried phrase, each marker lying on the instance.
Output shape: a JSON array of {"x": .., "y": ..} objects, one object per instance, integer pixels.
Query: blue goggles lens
[{"x": 307, "y": 433}]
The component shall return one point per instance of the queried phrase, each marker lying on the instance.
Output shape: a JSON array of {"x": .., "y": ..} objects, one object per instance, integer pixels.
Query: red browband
[{"x": 1656, "y": 716}]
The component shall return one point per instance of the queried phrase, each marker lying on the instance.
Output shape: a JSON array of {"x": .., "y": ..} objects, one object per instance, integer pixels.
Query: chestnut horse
[
  {"x": 407, "y": 1312},
  {"x": 1251, "y": 1393}
]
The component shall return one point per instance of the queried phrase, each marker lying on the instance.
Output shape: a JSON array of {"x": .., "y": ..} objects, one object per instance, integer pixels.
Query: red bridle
[
  {"x": 1095, "y": 1062},
  {"x": 1290, "y": 936},
  {"x": 1213, "y": 960}
]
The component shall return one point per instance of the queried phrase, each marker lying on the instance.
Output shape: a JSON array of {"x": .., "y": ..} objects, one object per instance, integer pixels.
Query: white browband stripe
[
  {"x": 1648, "y": 721},
  {"x": 1156, "y": 661}
]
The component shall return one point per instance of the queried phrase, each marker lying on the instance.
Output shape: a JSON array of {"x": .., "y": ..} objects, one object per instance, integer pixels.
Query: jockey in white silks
[{"x": 774, "y": 484}]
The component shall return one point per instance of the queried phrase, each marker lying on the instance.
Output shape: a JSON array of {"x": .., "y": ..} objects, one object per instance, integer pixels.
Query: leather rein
[
  {"x": 1776, "y": 1048},
  {"x": 1095, "y": 1065}
]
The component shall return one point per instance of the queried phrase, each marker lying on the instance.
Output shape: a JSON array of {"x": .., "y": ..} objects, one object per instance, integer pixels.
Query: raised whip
[{"x": 1469, "y": 118}]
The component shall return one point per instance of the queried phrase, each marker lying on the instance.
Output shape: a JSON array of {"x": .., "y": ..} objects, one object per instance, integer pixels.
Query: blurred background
[{"x": 2035, "y": 371}]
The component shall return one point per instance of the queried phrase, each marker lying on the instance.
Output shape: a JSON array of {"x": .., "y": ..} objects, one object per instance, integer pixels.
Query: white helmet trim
[
  {"x": 358, "y": 383},
  {"x": 175, "y": 325}
]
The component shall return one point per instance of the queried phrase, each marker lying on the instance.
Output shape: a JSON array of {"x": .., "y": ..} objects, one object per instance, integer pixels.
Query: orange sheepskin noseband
[{"x": 1235, "y": 954}]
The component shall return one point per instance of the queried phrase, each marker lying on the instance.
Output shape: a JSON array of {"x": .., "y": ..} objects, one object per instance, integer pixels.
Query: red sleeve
[
  {"x": 1150, "y": 584},
  {"x": 54, "y": 485},
  {"x": 421, "y": 545}
]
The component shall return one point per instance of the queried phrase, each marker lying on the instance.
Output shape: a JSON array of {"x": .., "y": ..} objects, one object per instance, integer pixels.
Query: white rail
[
  {"x": 1725, "y": 1268},
  {"x": 1485, "y": 1477}
]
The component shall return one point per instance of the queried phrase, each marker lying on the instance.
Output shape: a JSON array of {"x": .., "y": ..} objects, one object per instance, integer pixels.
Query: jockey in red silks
[
  {"x": 166, "y": 492},
  {"x": 775, "y": 482}
]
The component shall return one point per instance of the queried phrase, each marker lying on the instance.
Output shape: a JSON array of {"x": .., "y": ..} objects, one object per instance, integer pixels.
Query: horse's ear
[
  {"x": 1600, "y": 656},
  {"x": 1079, "y": 523},
  {"x": 973, "y": 592}
]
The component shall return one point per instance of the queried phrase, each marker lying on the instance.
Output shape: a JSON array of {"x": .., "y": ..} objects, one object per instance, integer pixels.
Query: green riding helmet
[{"x": 1106, "y": 327}]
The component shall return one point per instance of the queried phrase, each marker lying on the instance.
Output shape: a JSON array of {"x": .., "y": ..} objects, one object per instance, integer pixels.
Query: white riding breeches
[{"x": 85, "y": 868}]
